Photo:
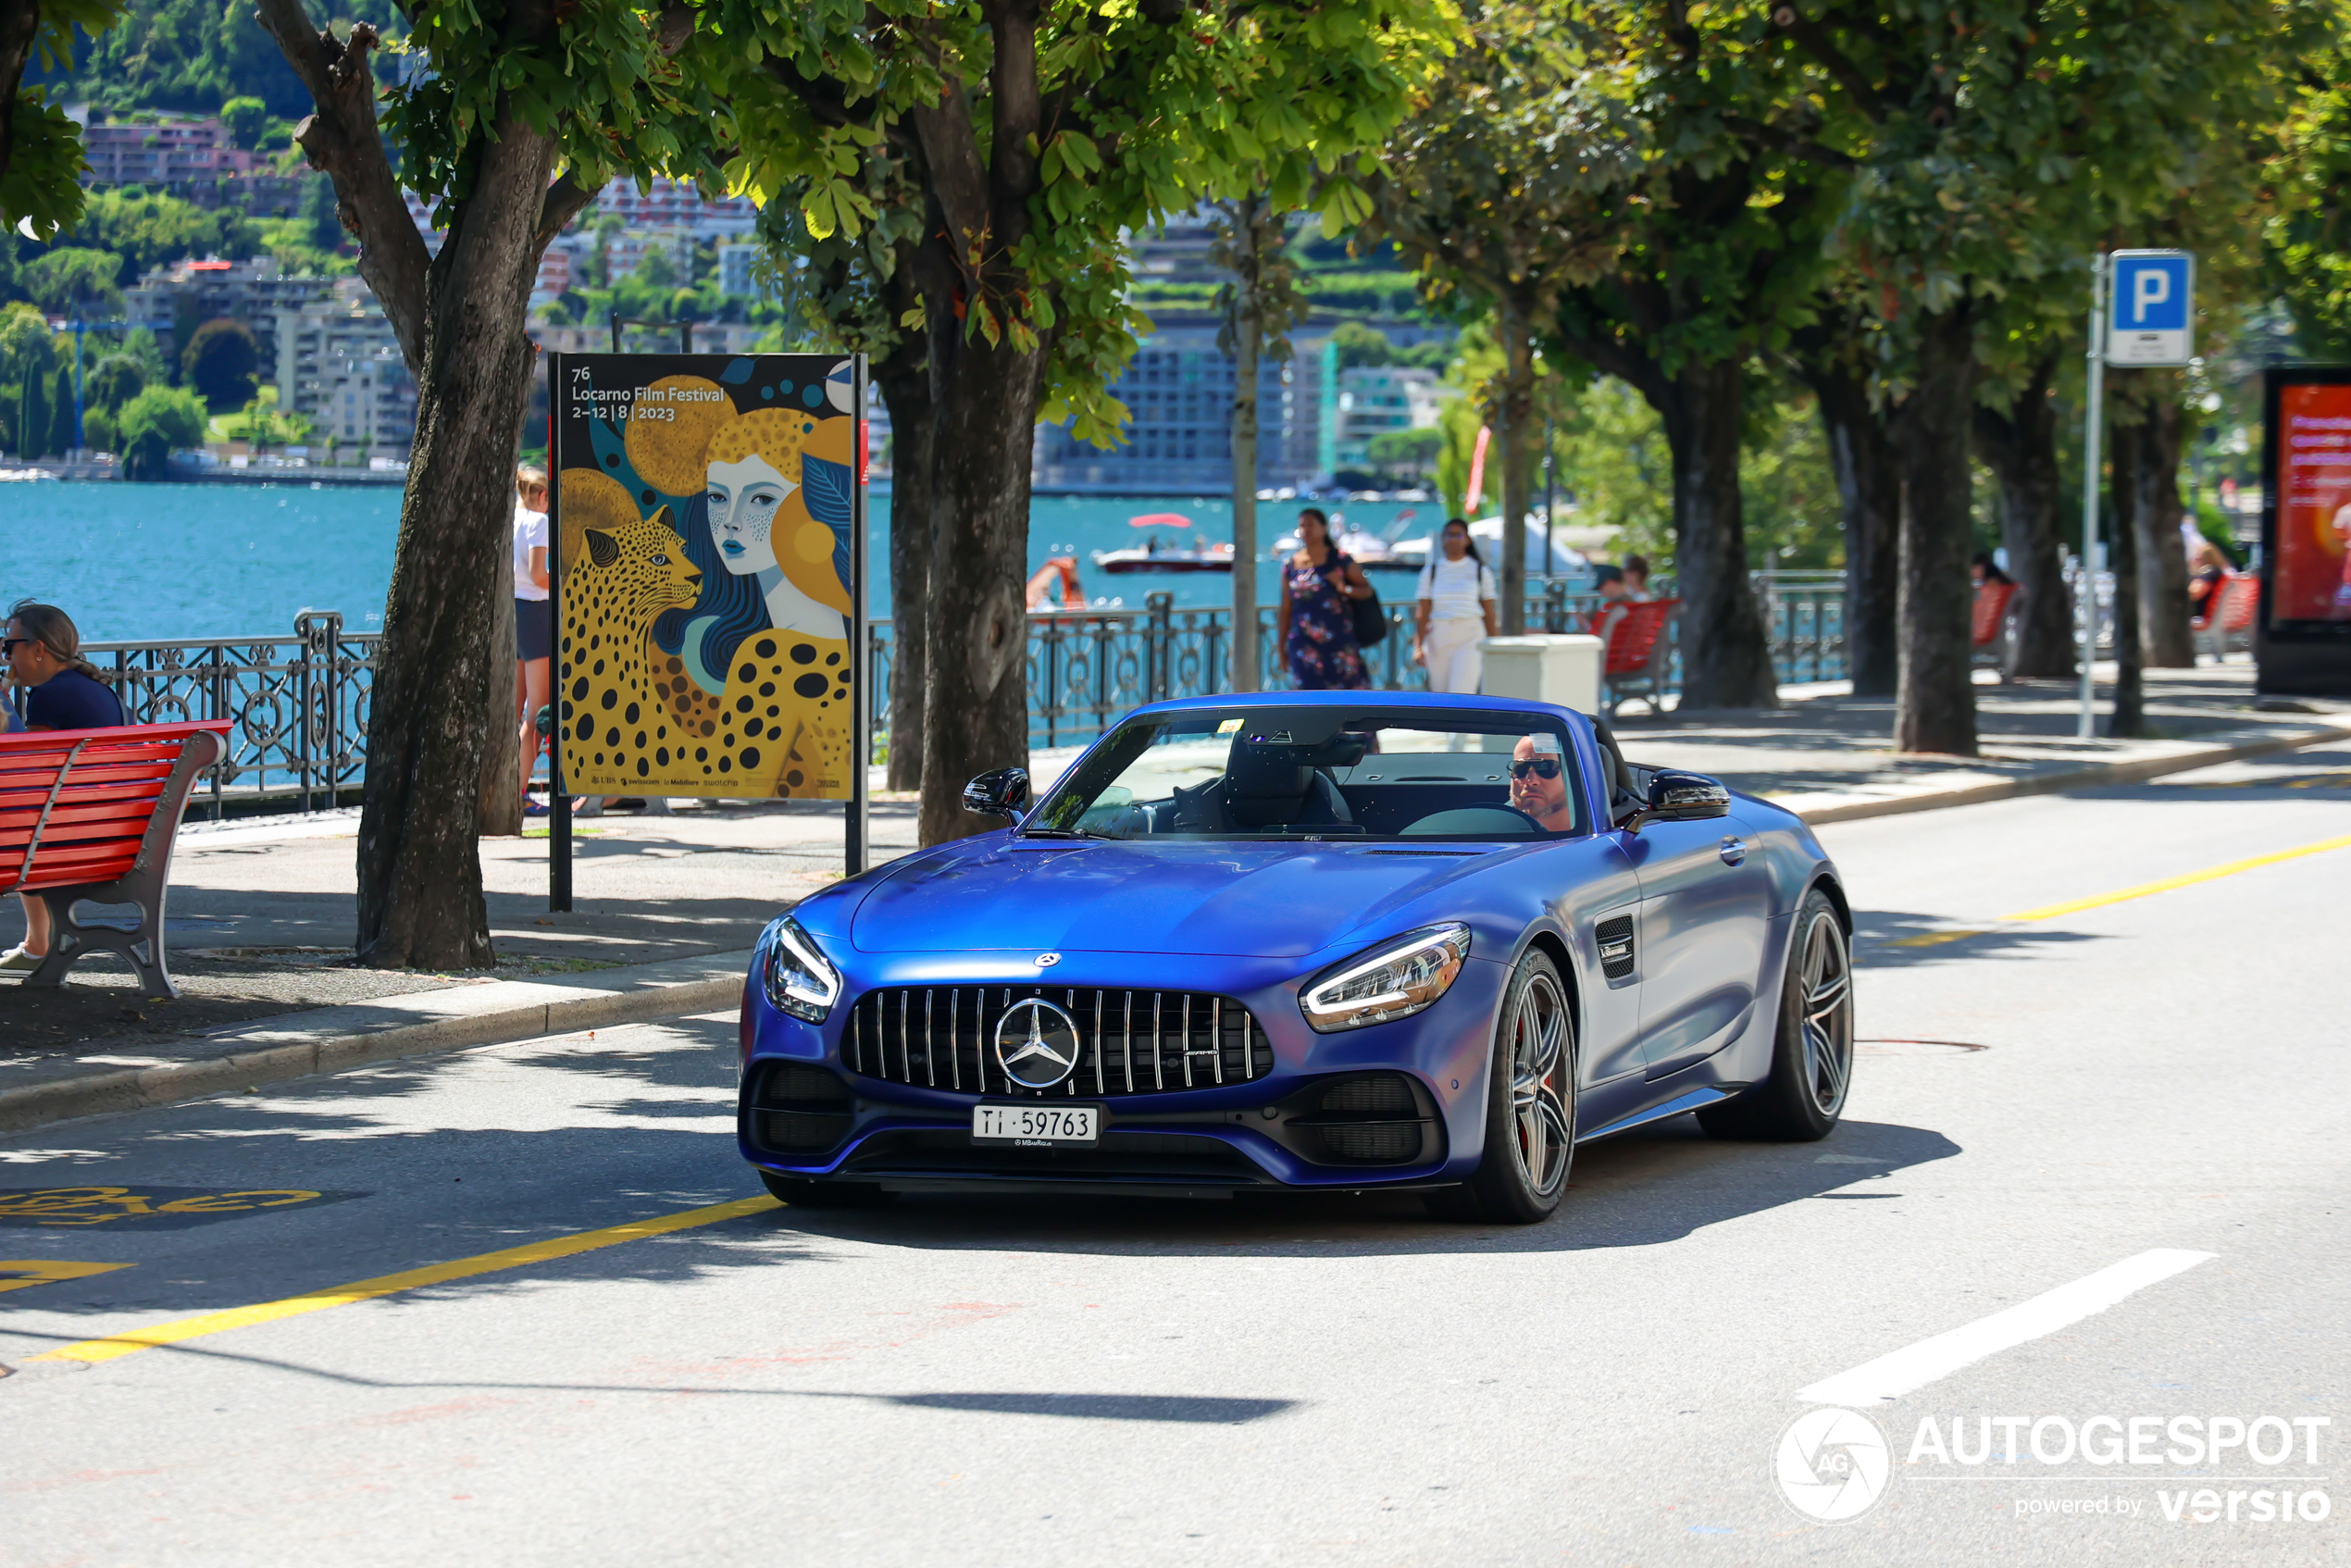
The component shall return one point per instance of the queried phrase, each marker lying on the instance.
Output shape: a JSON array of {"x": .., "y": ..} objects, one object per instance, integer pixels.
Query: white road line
[{"x": 1914, "y": 1366}]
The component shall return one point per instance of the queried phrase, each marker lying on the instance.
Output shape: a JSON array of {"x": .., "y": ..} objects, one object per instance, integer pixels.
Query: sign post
[
  {"x": 2152, "y": 315},
  {"x": 707, "y": 567},
  {"x": 2093, "y": 426}
]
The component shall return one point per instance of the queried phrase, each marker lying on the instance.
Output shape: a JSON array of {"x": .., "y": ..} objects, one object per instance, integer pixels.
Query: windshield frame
[{"x": 1099, "y": 765}]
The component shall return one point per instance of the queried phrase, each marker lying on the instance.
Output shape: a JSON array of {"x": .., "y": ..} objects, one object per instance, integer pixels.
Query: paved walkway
[{"x": 261, "y": 914}]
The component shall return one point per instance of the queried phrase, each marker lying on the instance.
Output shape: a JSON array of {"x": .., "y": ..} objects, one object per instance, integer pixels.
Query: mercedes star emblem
[
  {"x": 1037, "y": 1044},
  {"x": 1047, "y": 960}
]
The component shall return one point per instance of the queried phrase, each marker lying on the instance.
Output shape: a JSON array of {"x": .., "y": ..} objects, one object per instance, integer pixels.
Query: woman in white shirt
[
  {"x": 534, "y": 621},
  {"x": 1454, "y": 614}
]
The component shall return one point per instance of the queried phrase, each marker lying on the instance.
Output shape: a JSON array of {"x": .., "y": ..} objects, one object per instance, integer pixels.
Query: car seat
[{"x": 1264, "y": 786}]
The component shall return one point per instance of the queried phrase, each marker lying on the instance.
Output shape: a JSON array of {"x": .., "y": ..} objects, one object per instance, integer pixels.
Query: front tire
[
  {"x": 1812, "y": 1057},
  {"x": 1530, "y": 1103}
]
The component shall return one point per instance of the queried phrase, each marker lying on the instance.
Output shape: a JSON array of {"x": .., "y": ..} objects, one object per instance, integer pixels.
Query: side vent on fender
[{"x": 1615, "y": 936}]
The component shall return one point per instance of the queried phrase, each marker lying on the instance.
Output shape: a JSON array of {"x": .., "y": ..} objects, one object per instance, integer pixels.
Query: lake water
[{"x": 161, "y": 562}]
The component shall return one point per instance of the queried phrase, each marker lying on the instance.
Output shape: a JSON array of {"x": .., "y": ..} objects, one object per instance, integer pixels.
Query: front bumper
[{"x": 1297, "y": 1125}]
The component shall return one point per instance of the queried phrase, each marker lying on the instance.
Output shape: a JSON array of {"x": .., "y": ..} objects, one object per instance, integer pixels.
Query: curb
[
  {"x": 135, "y": 1088},
  {"x": 2133, "y": 772}
]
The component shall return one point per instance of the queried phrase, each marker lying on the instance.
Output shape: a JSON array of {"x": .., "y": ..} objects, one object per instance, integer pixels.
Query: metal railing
[
  {"x": 1087, "y": 668},
  {"x": 298, "y": 705}
]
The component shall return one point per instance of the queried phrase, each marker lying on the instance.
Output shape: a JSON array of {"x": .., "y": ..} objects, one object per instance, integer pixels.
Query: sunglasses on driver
[{"x": 1542, "y": 768}]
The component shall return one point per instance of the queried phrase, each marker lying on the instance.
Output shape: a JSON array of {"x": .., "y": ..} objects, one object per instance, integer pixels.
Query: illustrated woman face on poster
[
  {"x": 753, "y": 470},
  {"x": 743, "y": 497}
]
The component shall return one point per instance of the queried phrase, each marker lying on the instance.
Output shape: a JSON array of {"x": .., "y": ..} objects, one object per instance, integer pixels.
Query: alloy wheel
[
  {"x": 1540, "y": 1064},
  {"x": 1827, "y": 979}
]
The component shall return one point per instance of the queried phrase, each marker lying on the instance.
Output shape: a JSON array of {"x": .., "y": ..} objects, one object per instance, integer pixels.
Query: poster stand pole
[
  {"x": 861, "y": 680},
  {"x": 558, "y": 798}
]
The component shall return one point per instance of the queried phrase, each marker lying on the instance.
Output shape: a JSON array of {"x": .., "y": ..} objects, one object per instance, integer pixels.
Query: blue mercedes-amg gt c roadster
[{"x": 1330, "y": 940}]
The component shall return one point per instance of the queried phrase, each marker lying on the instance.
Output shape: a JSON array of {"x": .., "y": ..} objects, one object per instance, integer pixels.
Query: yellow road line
[
  {"x": 46, "y": 1271},
  {"x": 183, "y": 1328},
  {"x": 2050, "y": 911}
]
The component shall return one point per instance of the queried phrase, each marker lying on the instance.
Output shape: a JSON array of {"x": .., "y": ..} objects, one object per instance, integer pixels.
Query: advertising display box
[
  {"x": 2302, "y": 642},
  {"x": 706, "y": 533}
]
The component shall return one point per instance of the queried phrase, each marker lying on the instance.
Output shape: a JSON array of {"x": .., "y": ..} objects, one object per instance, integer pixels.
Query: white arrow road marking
[{"x": 1914, "y": 1366}]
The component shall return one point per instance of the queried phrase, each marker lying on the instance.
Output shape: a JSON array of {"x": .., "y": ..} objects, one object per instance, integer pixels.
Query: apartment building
[
  {"x": 1373, "y": 400},
  {"x": 339, "y": 362},
  {"x": 192, "y": 291},
  {"x": 164, "y": 152},
  {"x": 1179, "y": 391}
]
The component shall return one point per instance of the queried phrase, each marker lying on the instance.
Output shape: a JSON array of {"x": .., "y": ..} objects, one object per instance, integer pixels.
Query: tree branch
[
  {"x": 1788, "y": 142},
  {"x": 1813, "y": 41},
  {"x": 342, "y": 138},
  {"x": 565, "y": 200}
]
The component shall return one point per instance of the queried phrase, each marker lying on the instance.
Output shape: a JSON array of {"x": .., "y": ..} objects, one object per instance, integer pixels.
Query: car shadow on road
[{"x": 1641, "y": 1189}]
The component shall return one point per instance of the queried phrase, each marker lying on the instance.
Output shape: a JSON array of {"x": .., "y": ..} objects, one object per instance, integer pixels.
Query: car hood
[{"x": 1284, "y": 900}]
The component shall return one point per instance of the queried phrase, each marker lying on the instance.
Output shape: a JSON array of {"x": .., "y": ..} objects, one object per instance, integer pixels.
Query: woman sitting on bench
[{"x": 61, "y": 691}]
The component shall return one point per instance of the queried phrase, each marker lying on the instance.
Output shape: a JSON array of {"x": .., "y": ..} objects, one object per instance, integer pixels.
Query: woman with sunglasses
[{"x": 61, "y": 691}]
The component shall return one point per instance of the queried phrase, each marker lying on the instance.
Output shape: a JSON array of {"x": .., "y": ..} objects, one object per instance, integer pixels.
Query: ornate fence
[
  {"x": 299, "y": 704},
  {"x": 1086, "y": 667}
]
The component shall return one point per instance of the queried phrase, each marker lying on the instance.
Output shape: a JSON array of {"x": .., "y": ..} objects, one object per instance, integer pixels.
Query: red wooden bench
[
  {"x": 90, "y": 815},
  {"x": 1632, "y": 664}
]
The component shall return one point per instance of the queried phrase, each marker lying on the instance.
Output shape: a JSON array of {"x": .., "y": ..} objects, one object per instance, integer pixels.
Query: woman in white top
[
  {"x": 534, "y": 619},
  {"x": 1454, "y": 614}
]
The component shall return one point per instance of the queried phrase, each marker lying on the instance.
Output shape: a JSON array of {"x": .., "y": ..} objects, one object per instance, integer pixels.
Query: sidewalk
[
  {"x": 261, "y": 914},
  {"x": 1829, "y": 757}
]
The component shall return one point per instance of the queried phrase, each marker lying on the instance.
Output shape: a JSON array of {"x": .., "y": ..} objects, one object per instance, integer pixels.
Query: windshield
[{"x": 1322, "y": 772}]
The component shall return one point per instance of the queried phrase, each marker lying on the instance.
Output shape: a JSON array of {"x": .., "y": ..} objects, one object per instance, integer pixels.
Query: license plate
[{"x": 1037, "y": 1127}]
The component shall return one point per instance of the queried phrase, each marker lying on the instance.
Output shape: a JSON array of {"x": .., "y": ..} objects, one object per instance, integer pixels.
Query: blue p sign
[{"x": 2154, "y": 302}]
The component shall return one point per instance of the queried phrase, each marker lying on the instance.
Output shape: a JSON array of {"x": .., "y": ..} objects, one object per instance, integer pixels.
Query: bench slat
[{"x": 129, "y": 800}]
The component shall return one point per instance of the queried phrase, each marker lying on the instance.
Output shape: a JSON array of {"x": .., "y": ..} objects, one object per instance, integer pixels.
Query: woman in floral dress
[{"x": 1318, "y": 634}]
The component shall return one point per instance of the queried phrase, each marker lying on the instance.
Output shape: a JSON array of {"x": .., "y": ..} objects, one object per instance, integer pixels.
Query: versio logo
[{"x": 1833, "y": 1464}]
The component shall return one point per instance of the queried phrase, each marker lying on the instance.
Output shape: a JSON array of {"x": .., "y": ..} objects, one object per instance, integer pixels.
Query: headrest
[{"x": 1269, "y": 772}]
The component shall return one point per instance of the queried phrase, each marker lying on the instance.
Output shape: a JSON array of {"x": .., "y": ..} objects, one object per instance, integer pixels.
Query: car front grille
[{"x": 1129, "y": 1041}]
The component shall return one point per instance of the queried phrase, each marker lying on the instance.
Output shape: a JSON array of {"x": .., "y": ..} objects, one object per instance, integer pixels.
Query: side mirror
[
  {"x": 1000, "y": 792},
  {"x": 1685, "y": 797}
]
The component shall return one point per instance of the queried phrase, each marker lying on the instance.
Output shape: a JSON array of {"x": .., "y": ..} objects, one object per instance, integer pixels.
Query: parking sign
[{"x": 2154, "y": 302}]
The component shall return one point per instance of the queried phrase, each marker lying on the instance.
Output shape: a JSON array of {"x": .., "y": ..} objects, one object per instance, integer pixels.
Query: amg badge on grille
[{"x": 1049, "y": 1052}]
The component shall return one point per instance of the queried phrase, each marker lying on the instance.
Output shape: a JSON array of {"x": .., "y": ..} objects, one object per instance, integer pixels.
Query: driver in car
[{"x": 1538, "y": 782}]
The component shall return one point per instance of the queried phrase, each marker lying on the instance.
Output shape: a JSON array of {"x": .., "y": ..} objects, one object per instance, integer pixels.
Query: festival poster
[
  {"x": 705, "y": 581},
  {"x": 2311, "y": 578}
]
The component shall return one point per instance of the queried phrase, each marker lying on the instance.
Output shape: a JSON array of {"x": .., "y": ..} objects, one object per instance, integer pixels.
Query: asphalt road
[{"x": 2148, "y": 1095}]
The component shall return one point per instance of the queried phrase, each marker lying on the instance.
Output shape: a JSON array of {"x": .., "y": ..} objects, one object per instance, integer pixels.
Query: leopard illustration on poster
[{"x": 704, "y": 578}]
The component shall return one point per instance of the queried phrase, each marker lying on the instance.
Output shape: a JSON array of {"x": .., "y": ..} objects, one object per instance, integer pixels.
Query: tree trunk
[
  {"x": 2128, "y": 444},
  {"x": 1514, "y": 433},
  {"x": 2162, "y": 567},
  {"x": 2020, "y": 447},
  {"x": 1934, "y": 693},
  {"x": 19, "y": 25},
  {"x": 1726, "y": 654},
  {"x": 502, "y": 782},
  {"x": 1869, "y": 492},
  {"x": 1248, "y": 333},
  {"x": 975, "y": 691},
  {"x": 904, "y": 379},
  {"x": 420, "y": 899}
]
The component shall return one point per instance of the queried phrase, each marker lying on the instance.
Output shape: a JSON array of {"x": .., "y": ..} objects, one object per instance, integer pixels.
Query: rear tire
[
  {"x": 802, "y": 1193},
  {"x": 1812, "y": 1057},
  {"x": 1530, "y": 1105}
]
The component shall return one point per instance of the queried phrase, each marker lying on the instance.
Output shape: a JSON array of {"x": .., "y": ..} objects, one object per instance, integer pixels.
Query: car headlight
[
  {"x": 799, "y": 980},
  {"x": 1393, "y": 980}
]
